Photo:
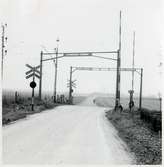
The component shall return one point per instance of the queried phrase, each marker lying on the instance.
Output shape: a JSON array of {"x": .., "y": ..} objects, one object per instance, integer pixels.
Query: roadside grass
[
  {"x": 13, "y": 111},
  {"x": 141, "y": 140},
  {"x": 17, "y": 104}
]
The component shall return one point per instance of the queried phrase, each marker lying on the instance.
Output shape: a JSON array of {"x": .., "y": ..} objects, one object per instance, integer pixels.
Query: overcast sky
[{"x": 82, "y": 25}]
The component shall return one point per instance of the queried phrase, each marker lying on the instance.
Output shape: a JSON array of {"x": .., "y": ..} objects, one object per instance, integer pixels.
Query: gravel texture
[{"x": 141, "y": 140}]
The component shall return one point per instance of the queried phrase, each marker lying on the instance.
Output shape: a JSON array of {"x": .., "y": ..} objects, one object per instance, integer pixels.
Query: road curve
[{"x": 76, "y": 134}]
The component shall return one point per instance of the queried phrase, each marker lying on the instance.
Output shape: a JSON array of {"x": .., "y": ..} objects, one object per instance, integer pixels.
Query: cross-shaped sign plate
[{"x": 33, "y": 71}]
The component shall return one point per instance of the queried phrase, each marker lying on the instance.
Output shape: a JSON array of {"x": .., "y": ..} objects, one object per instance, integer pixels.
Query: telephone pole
[
  {"x": 131, "y": 92},
  {"x": 133, "y": 62},
  {"x": 56, "y": 68},
  {"x": 4, "y": 51}
]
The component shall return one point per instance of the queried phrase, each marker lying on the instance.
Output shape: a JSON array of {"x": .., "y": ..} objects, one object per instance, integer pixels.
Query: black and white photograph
[{"x": 81, "y": 82}]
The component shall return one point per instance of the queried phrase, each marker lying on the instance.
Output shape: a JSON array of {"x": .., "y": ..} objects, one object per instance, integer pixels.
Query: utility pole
[
  {"x": 55, "y": 76},
  {"x": 160, "y": 77},
  {"x": 133, "y": 61},
  {"x": 118, "y": 77},
  {"x": 4, "y": 51},
  {"x": 131, "y": 92},
  {"x": 140, "y": 100},
  {"x": 40, "y": 81},
  {"x": 56, "y": 68},
  {"x": 54, "y": 61}
]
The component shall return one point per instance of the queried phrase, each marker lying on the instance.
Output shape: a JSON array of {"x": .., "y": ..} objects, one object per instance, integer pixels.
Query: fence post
[{"x": 16, "y": 97}]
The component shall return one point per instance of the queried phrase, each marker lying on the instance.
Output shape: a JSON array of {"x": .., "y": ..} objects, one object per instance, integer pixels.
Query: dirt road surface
[{"x": 77, "y": 134}]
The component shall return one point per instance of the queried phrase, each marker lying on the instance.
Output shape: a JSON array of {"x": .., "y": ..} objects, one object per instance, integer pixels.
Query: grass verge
[
  {"x": 141, "y": 140},
  {"x": 12, "y": 112}
]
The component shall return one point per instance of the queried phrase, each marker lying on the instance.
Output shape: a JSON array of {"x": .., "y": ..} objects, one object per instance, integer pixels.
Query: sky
[{"x": 83, "y": 25}]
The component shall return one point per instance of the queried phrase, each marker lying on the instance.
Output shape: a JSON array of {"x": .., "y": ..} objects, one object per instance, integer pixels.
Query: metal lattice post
[
  {"x": 117, "y": 100},
  {"x": 118, "y": 77},
  {"x": 40, "y": 81}
]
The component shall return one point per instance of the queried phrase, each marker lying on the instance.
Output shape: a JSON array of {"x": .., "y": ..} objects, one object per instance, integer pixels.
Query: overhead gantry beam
[
  {"x": 80, "y": 54},
  {"x": 76, "y": 53},
  {"x": 105, "y": 69}
]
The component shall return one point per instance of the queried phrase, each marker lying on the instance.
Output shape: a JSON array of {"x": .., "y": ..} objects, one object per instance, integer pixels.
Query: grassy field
[
  {"x": 78, "y": 99},
  {"x": 108, "y": 101},
  {"x": 149, "y": 103}
]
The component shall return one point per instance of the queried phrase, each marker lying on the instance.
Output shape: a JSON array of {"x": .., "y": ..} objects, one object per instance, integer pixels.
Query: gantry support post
[
  {"x": 118, "y": 76},
  {"x": 40, "y": 81},
  {"x": 140, "y": 98},
  {"x": 117, "y": 100}
]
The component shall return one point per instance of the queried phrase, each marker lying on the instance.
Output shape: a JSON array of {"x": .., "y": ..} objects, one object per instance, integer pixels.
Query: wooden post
[{"x": 16, "y": 97}]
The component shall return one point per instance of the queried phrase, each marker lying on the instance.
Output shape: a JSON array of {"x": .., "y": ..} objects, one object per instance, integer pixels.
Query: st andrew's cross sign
[{"x": 33, "y": 72}]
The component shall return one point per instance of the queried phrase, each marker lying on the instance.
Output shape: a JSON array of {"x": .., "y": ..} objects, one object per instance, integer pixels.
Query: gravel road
[{"x": 71, "y": 134}]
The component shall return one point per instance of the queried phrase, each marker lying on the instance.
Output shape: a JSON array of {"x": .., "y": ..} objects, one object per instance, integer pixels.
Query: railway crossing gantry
[
  {"x": 83, "y": 54},
  {"x": 137, "y": 70},
  {"x": 59, "y": 55}
]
